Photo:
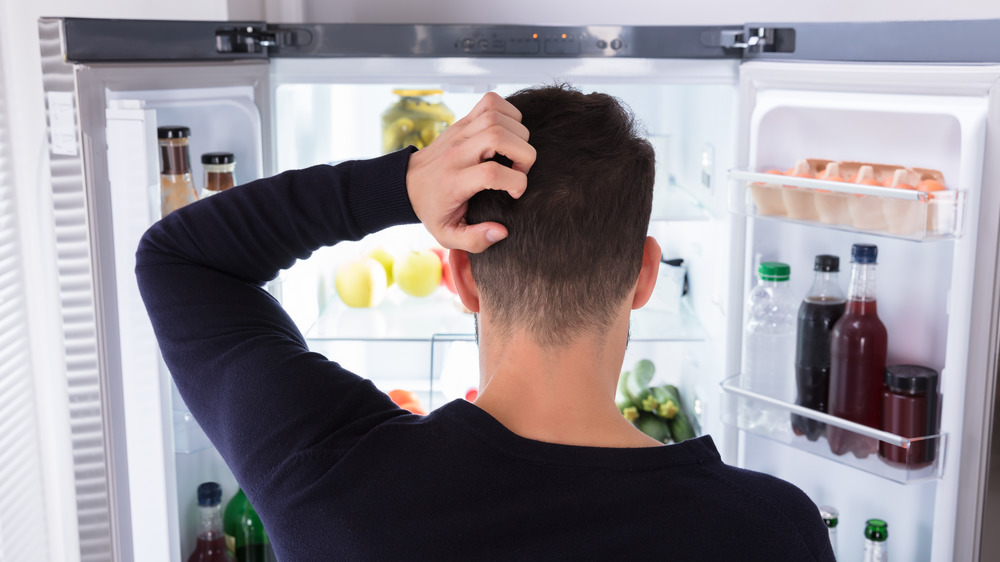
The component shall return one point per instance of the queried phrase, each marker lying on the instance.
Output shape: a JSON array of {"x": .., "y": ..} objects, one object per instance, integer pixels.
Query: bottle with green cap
[
  {"x": 830, "y": 517},
  {"x": 876, "y": 545},
  {"x": 769, "y": 344}
]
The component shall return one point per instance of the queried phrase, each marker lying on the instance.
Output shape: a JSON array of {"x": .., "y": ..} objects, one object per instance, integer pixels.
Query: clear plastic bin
[
  {"x": 745, "y": 409},
  {"x": 889, "y": 211}
]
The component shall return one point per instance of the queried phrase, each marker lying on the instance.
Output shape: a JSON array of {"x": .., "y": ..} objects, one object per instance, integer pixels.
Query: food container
[
  {"x": 220, "y": 172},
  {"x": 866, "y": 210},
  {"x": 904, "y": 216},
  {"x": 768, "y": 199},
  {"x": 800, "y": 202},
  {"x": 416, "y": 119},
  {"x": 831, "y": 206}
]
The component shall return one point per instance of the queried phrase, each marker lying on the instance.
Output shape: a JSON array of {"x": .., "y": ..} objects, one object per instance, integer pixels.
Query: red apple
[{"x": 446, "y": 278}]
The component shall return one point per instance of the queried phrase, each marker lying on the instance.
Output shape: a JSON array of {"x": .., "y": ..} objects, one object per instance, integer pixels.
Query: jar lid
[
  {"x": 209, "y": 494},
  {"x": 911, "y": 379},
  {"x": 415, "y": 92},
  {"x": 864, "y": 253},
  {"x": 826, "y": 262},
  {"x": 774, "y": 271},
  {"x": 217, "y": 158},
  {"x": 172, "y": 132},
  {"x": 876, "y": 530}
]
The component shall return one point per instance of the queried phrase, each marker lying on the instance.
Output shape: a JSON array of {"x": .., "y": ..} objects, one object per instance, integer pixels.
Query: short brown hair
[{"x": 576, "y": 236}]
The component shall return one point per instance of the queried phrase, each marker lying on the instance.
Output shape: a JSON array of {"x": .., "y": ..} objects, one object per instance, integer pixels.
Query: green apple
[
  {"x": 361, "y": 283},
  {"x": 385, "y": 258},
  {"x": 417, "y": 272}
]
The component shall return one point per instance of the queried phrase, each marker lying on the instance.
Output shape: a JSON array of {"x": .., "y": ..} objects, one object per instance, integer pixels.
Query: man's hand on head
[{"x": 442, "y": 177}]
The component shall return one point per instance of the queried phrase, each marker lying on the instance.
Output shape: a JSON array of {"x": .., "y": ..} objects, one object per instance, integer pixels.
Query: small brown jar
[{"x": 220, "y": 172}]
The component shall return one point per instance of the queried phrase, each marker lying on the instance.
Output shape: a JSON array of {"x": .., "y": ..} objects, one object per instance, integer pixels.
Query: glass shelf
[
  {"x": 887, "y": 211},
  {"x": 189, "y": 438},
  {"x": 919, "y": 458},
  {"x": 441, "y": 316}
]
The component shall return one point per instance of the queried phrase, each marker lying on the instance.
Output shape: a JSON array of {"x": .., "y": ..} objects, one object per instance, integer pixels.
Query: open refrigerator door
[
  {"x": 936, "y": 255},
  {"x": 138, "y": 455}
]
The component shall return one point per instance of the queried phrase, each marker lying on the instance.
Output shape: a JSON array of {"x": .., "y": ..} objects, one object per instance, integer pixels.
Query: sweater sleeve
[{"x": 240, "y": 363}]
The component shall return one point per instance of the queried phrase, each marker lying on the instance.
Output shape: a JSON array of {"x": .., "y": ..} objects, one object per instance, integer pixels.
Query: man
[{"x": 552, "y": 256}]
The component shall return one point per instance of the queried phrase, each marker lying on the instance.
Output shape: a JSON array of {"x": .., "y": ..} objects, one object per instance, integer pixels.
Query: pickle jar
[
  {"x": 416, "y": 118},
  {"x": 176, "y": 184},
  {"x": 220, "y": 172}
]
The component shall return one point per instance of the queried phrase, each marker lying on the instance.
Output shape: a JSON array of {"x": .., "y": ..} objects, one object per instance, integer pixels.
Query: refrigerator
[{"x": 721, "y": 105}]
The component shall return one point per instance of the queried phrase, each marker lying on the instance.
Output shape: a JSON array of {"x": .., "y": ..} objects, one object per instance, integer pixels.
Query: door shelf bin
[
  {"x": 887, "y": 211},
  {"x": 770, "y": 418}
]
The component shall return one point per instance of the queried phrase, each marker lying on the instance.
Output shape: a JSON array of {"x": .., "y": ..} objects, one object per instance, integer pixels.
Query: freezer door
[
  {"x": 937, "y": 297},
  {"x": 102, "y": 119}
]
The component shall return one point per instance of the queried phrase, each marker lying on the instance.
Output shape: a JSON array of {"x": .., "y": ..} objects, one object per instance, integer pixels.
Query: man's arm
[{"x": 240, "y": 363}]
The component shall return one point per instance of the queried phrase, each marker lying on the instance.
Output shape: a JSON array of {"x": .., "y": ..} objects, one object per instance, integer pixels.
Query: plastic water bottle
[{"x": 769, "y": 345}]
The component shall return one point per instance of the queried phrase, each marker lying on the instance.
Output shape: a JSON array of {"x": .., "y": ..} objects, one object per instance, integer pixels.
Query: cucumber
[
  {"x": 637, "y": 386},
  {"x": 654, "y": 427},
  {"x": 621, "y": 395},
  {"x": 680, "y": 426},
  {"x": 669, "y": 406}
]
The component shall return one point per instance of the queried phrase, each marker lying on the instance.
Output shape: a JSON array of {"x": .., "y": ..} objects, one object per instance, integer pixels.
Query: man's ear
[
  {"x": 461, "y": 272},
  {"x": 651, "y": 254}
]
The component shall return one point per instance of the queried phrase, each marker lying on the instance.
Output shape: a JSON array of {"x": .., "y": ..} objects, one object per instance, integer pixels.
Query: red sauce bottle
[
  {"x": 858, "y": 347},
  {"x": 909, "y": 409}
]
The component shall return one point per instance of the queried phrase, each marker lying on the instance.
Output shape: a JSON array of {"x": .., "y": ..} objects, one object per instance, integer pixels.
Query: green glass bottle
[{"x": 246, "y": 538}]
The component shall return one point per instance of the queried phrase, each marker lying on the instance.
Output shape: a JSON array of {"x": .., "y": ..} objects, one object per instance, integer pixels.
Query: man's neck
[{"x": 557, "y": 394}]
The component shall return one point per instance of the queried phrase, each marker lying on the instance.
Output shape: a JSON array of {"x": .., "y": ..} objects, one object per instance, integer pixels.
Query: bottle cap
[
  {"x": 826, "y": 262},
  {"x": 910, "y": 379},
  {"x": 774, "y": 271},
  {"x": 876, "y": 530},
  {"x": 173, "y": 132},
  {"x": 829, "y": 515},
  {"x": 217, "y": 158},
  {"x": 415, "y": 92},
  {"x": 209, "y": 494},
  {"x": 864, "y": 253}
]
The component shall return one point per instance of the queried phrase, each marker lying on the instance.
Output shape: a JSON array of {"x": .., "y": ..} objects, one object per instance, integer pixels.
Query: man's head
[{"x": 576, "y": 236}]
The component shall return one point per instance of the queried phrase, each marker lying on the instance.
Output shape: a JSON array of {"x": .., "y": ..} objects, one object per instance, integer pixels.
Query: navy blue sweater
[{"x": 338, "y": 472}]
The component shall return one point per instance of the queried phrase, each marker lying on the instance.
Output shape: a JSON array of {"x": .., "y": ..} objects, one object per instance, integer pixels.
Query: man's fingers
[
  {"x": 493, "y": 102},
  {"x": 474, "y": 238},
  {"x": 498, "y": 140},
  {"x": 492, "y": 175},
  {"x": 495, "y": 119}
]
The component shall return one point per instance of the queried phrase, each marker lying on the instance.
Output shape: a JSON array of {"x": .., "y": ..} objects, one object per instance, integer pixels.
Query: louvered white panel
[
  {"x": 22, "y": 519},
  {"x": 79, "y": 314}
]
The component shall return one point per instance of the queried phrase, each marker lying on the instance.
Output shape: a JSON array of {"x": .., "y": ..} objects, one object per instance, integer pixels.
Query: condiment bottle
[
  {"x": 211, "y": 545},
  {"x": 246, "y": 537},
  {"x": 909, "y": 409},
  {"x": 822, "y": 307},
  {"x": 858, "y": 347},
  {"x": 176, "y": 185},
  {"x": 220, "y": 172},
  {"x": 876, "y": 545},
  {"x": 830, "y": 517},
  {"x": 416, "y": 119}
]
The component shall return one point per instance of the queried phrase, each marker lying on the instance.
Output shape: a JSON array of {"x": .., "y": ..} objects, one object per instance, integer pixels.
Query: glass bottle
[
  {"x": 769, "y": 343},
  {"x": 830, "y": 517},
  {"x": 909, "y": 409},
  {"x": 246, "y": 538},
  {"x": 220, "y": 172},
  {"x": 416, "y": 118},
  {"x": 176, "y": 185},
  {"x": 876, "y": 546},
  {"x": 822, "y": 307},
  {"x": 858, "y": 348},
  {"x": 211, "y": 545}
]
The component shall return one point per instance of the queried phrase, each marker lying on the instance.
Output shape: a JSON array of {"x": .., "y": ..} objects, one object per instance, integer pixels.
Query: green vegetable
[
  {"x": 680, "y": 426},
  {"x": 654, "y": 427},
  {"x": 637, "y": 386},
  {"x": 669, "y": 406},
  {"x": 621, "y": 395},
  {"x": 631, "y": 413}
]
